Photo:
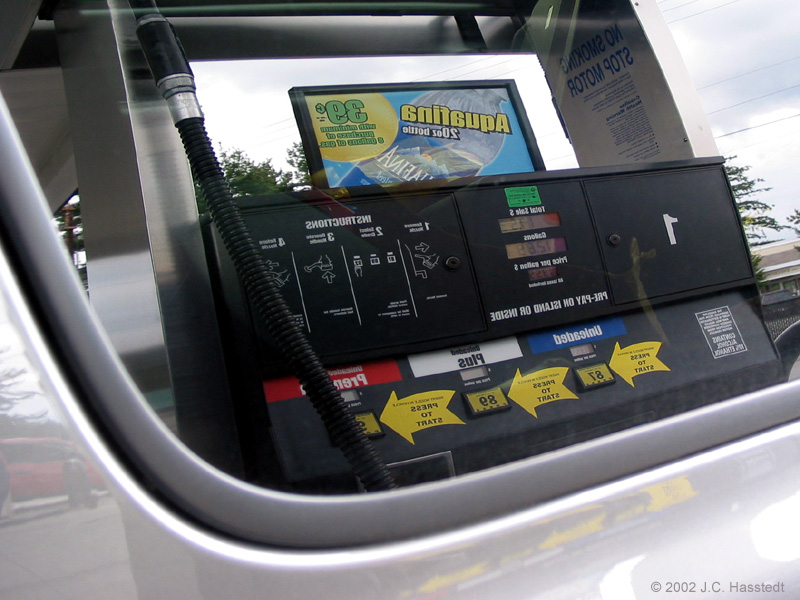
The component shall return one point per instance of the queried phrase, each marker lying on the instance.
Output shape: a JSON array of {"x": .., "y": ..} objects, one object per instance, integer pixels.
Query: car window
[{"x": 461, "y": 253}]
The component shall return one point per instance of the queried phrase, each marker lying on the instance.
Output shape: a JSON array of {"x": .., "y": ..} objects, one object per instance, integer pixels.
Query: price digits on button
[
  {"x": 487, "y": 401},
  {"x": 369, "y": 424},
  {"x": 594, "y": 376}
]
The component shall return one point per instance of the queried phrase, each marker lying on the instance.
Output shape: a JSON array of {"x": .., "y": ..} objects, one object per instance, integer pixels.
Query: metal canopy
[
  {"x": 31, "y": 84},
  {"x": 175, "y": 8},
  {"x": 30, "y": 66}
]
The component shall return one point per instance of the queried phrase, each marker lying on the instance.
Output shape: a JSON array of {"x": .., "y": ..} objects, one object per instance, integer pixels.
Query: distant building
[{"x": 780, "y": 262}]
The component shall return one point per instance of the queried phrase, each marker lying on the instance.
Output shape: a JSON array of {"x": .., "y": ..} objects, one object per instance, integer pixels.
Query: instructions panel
[{"x": 374, "y": 274}]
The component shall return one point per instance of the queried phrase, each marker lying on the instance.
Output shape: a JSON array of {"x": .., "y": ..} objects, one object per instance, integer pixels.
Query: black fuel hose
[{"x": 176, "y": 82}]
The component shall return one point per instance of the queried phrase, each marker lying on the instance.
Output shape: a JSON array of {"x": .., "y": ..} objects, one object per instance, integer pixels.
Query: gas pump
[
  {"x": 504, "y": 316},
  {"x": 460, "y": 323}
]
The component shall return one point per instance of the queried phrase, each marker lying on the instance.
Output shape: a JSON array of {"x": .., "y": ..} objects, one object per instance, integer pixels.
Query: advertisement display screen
[{"x": 392, "y": 133}]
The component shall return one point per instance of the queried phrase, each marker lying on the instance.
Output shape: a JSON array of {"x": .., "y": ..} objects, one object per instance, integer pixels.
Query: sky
[{"x": 743, "y": 57}]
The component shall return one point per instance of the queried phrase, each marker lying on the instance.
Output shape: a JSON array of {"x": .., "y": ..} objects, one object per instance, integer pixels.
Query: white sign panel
[
  {"x": 609, "y": 83},
  {"x": 464, "y": 357}
]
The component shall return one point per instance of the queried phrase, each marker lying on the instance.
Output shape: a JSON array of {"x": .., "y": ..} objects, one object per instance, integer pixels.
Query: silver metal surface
[
  {"x": 53, "y": 544},
  {"x": 38, "y": 104},
  {"x": 147, "y": 275},
  {"x": 18, "y": 16},
  {"x": 184, "y": 105},
  {"x": 331, "y": 36}
]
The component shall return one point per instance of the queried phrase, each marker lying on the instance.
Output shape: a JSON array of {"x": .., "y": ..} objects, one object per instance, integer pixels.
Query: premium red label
[{"x": 344, "y": 378}]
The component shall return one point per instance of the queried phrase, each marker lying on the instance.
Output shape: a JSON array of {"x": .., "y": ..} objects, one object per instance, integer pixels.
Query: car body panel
[{"x": 613, "y": 541}]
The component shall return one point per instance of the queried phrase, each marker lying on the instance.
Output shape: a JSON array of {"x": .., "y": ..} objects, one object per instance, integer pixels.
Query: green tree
[
  {"x": 753, "y": 212},
  {"x": 248, "y": 178},
  {"x": 794, "y": 219},
  {"x": 296, "y": 158}
]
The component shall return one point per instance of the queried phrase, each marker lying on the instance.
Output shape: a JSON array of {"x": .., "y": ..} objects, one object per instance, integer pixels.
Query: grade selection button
[
  {"x": 369, "y": 424},
  {"x": 595, "y": 376},
  {"x": 486, "y": 402}
]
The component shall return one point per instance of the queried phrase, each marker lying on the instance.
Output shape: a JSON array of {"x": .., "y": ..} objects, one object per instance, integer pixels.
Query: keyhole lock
[
  {"x": 452, "y": 263},
  {"x": 614, "y": 239}
]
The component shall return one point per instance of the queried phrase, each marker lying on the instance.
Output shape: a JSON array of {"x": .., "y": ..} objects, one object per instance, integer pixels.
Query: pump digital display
[
  {"x": 582, "y": 350},
  {"x": 529, "y": 222},
  {"x": 536, "y": 247},
  {"x": 543, "y": 273}
]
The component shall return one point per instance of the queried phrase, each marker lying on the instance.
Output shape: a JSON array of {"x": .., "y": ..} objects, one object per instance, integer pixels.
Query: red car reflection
[{"x": 44, "y": 467}]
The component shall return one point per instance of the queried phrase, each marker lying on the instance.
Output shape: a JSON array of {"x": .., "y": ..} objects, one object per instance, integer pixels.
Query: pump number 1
[{"x": 668, "y": 223}]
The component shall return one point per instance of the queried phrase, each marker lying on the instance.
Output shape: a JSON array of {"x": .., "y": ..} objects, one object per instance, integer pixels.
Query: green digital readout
[
  {"x": 524, "y": 195},
  {"x": 529, "y": 222}
]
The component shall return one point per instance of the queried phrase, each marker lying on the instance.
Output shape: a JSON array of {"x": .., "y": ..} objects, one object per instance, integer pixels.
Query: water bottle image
[{"x": 451, "y": 144}]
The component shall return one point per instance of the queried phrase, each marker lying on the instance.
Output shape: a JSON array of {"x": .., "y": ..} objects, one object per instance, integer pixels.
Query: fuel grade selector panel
[{"x": 535, "y": 392}]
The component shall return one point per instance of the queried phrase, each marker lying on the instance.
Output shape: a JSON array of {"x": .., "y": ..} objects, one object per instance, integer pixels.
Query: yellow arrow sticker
[
  {"x": 411, "y": 414},
  {"x": 669, "y": 493},
  {"x": 638, "y": 359},
  {"x": 438, "y": 582},
  {"x": 580, "y": 530},
  {"x": 540, "y": 387}
]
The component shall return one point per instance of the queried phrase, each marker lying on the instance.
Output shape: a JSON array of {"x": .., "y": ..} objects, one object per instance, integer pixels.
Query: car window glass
[{"x": 469, "y": 311}]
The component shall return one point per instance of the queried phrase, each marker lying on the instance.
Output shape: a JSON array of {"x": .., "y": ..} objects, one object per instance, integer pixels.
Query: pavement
[{"x": 50, "y": 551}]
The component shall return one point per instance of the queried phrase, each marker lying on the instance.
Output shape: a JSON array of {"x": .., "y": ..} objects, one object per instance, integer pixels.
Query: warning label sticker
[{"x": 721, "y": 332}]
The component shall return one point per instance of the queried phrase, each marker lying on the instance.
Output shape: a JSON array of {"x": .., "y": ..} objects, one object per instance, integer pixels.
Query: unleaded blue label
[{"x": 564, "y": 337}]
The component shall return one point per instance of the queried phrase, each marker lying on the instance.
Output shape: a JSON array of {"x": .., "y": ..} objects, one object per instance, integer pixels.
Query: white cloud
[{"x": 247, "y": 103}]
